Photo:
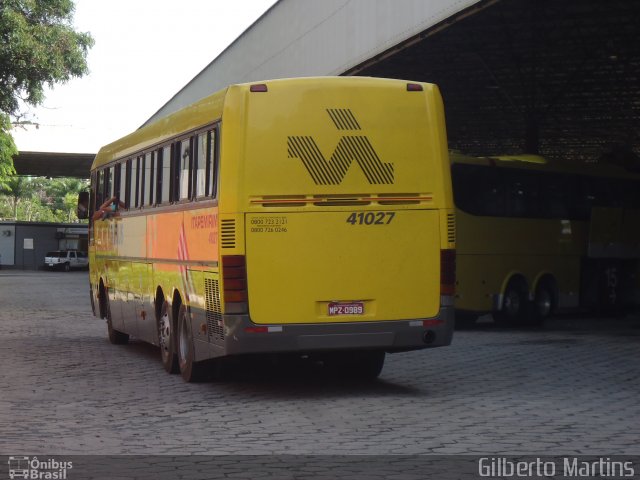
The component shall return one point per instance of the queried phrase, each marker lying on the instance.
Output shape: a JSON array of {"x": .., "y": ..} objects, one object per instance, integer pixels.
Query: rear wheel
[
  {"x": 543, "y": 302},
  {"x": 190, "y": 370},
  {"x": 166, "y": 340},
  {"x": 515, "y": 308}
]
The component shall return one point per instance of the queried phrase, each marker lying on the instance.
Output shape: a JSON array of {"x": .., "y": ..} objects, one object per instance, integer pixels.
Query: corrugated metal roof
[{"x": 297, "y": 38}]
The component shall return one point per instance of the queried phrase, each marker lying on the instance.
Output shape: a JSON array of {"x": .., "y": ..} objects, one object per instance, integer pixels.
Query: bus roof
[
  {"x": 539, "y": 163},
  {"x": 200, "y": 114}
]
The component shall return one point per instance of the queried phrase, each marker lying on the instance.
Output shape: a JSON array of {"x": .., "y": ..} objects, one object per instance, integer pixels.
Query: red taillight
[
  {"x": 256, "y": 329},
  {"x": 234, "y": 281},
  {"x": 447, "y": 272},
  {"x": 432, "y": 322}
]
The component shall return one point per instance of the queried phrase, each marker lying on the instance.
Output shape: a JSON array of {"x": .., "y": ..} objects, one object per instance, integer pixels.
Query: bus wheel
[
  {"x": 166, "y": 341},
  {"x": 542, "y": 303},
  {"x": 364, "y": 365},
  {"x": 115, "y": 337},
  {"x": 190, "y": 370},
  {"x": 514, "y": 305}
]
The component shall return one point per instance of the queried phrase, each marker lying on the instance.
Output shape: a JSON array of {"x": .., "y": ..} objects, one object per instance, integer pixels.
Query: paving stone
[{"x": 569, "y": 388}]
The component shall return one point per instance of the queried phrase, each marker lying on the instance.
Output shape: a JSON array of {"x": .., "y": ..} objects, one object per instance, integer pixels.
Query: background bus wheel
[
  {"x": 166, "y": 340},
  {"x": 364, "y": 365},
  {"x": 190, "y": 370},
  {"x": 543, "y": 303},
  {"x": 115, "y": 337},
  {"x": 514, "y": 305}
]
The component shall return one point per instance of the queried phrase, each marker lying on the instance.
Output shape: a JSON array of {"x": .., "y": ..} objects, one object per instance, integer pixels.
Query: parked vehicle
[{"x": 66, "y": 259}]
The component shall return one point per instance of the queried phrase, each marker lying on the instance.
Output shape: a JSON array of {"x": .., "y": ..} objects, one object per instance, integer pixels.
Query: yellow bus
[
  {"x": 534, "y": 237},
  {"x": 308, "y": 216}
]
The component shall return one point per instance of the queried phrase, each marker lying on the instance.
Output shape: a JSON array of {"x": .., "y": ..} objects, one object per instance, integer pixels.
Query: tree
[
  {"x": 38, "y": 48},
  {"x": 18, "y": 189},
  {"x": 7, "y": 150},
  {"x": 62, "y": 195}
]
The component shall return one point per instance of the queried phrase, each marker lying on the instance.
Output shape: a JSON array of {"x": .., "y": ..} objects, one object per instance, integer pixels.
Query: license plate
[{"x": 345, "y": 308}]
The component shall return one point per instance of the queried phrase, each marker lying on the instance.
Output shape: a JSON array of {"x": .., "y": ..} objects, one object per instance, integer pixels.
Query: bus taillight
[
  {"x": 234, "y": 280},
  {"x": 447, "y": 272}
]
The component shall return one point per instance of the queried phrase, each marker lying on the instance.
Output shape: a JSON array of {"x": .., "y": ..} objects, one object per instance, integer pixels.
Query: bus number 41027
[{"x": 371, "y": 218}]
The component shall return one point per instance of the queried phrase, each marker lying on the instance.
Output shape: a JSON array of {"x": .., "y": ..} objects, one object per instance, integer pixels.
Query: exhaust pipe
[{"x": 429, "y": 337}]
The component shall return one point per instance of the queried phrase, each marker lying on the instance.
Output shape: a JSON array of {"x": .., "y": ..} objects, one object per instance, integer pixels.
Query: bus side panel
[{"x": 182, "y": 245}]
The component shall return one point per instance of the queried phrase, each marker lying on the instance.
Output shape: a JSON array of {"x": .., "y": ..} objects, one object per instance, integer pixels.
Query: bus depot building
[{"x": 23, "y": 245}]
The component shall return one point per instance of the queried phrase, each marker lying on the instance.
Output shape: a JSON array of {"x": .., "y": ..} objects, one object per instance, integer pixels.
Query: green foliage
[
  {"x": 38, "y": 199},
  {"x": 38, "y": 48},
  {"x": 7, "y": 150}
]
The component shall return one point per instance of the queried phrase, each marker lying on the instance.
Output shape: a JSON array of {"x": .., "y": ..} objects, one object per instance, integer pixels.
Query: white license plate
[{"x": 345, "y": 308}]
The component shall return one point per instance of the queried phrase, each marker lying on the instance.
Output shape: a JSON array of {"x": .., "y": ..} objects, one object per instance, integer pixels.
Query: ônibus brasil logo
[
  {"x": 33, "y": 468},
  {"x": 350, "y": 148}
]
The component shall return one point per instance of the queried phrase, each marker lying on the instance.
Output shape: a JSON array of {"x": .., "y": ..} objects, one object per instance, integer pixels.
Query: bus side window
[
  {"x": 175, "y": 171},
  {"x": 158, "y": 177},
  {"x": 165, "y": 176},
  {"x": 212, "y": 163},
  {"x": 153, "y": 173},
  {"x": 122, "y": 189},
  {"x": 185, "y": 163},
  {"x": 555, "y": 192},
  {"x": 201, "y": 164},
  {"x": 133, "y": 184},
  {"x": 108, "y": 183},
  {"x": 492, "y": 193},
  {"x": 522, "y": 194},
  {"x": 127, "y": 189},
  {"x": 464, "y": 191},
  {"x": 141, "y": 172},
  {"x": 97, "y": 188},
  {"x": 145, "y": 197}
]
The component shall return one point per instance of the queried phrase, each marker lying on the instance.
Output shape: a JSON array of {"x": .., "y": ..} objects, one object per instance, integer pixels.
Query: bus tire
[
  {"x": 543, "y": 302},
  {"x": 190, "y": 370},
  {"x": 358, "y": 364},
  {"x": 515, "y": 305},
  {"x": 166, "y": 339},
  {"x": 116, "y": 337}
]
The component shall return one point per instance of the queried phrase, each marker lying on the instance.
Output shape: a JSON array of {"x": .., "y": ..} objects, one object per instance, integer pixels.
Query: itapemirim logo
[
  {"x": 350, "y": 148},
  {"x": 35, "y": 469}
]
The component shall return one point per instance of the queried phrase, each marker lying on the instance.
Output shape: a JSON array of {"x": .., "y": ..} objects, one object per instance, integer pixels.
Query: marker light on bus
[
  {"x": 234, "y": 279},
  {"x": 414, "y": 87},
  {"x": 447, "y": 272},
  {"x": 258, "y": 87}
]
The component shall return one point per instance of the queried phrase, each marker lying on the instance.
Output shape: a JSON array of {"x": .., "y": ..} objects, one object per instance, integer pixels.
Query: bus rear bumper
[{"x": 243, "y": 336}]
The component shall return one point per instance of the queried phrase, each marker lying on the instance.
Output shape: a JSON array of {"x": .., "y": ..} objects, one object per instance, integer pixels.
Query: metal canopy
[
  {"x": 555, "y": 77},
  {"x": 47, "y": 164}
]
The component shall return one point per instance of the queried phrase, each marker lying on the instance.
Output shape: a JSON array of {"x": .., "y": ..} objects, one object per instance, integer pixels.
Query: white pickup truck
[{"x": 66, "y": 259}]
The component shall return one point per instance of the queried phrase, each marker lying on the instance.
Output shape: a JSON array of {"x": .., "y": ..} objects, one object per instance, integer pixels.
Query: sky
[{"x": 145, "y": 51}]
